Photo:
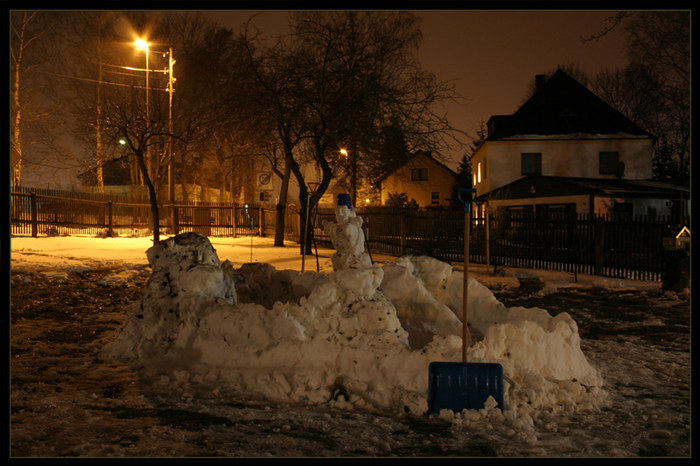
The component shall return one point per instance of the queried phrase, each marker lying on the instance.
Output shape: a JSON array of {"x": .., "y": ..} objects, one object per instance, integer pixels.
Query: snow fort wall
[{"x": 364, "y": 331}]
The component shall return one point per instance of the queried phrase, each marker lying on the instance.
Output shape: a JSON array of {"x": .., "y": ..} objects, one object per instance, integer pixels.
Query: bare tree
[
  {"x": 30, "y": 104},
  {"x": 276, "y": 71},
  {"x": 125, "y": 119},
  {"x": 359, "y": 75},
  {"x": 657, "y": 84}
]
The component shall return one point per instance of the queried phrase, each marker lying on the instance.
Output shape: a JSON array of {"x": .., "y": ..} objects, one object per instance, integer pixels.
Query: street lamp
[
  {"x": 353, "y": 170},
  {"x": 144, "y": 45}
]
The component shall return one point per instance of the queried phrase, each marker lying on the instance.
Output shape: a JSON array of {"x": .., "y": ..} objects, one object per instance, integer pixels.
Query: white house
[{"x": 566, "y": 149}]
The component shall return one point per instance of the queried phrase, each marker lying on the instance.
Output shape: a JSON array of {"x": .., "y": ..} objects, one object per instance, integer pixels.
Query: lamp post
[
  {"x": 171, "y": 80},
  {"x": 353, "y": 170},
  {"x": 310, "y": 191},
  {"x": 143, "y": 45}
]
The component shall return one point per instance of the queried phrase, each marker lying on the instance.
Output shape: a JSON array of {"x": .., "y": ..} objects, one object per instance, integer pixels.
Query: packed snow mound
[
  {"x": 187, "y": 265},
  {"x": 262, "y": 284},
  {"x": 427, "y": 294},
  {"x": 420, "y": 313},
  {"x": 360, "y": 337}
]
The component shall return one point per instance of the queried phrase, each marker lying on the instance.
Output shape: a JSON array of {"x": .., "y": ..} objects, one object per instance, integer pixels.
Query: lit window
[
  {"x": 474, "y": 179},
  {"x": 478, "y": 173}
]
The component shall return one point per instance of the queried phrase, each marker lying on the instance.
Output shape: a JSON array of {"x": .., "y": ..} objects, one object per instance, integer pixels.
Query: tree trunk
[
  {"x": 16, "y": 139},
  {"x": 98, "y": 135},
  {"x": 282, "y": 208},
  {"x": 153, "y": 198}
]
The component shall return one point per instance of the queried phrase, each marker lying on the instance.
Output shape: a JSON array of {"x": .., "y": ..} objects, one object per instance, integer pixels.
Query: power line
[{"x": 134, "y": 86}]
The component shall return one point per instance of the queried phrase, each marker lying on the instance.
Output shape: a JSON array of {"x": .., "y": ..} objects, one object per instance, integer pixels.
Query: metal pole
[
  {"x": 306, "y": 231},
  {"x": 148, "y": 159},
  {"x": 171, "y": 181},
  {"x": 488, "y": 240},
  {"x": 466, "y": 202},
  {"x": 465, "y": 287}
]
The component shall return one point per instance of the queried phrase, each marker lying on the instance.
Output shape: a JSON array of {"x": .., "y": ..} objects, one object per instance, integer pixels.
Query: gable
[
  {"x": 420, "y": 158},
  {"x": 562, "y": 106}
]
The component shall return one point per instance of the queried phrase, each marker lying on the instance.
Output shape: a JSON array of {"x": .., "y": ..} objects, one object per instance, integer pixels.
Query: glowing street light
[{"x": 141, "y": 44}]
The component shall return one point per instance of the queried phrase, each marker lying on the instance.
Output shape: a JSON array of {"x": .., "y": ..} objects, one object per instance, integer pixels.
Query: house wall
[
  {"x": 501, "y": 160},
  {"x": 439, "y": 180},
  {"x": 602, "y": 205},
  {"x": 582, "y": 202},
  {"x": 640, "y": 206}
]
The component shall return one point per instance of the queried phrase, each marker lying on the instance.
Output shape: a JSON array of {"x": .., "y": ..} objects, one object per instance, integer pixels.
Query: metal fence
[
  {"x": 623, "y": 247},
  {"x": 34, "y": 214},
  {"x": 629, "y": 247}
]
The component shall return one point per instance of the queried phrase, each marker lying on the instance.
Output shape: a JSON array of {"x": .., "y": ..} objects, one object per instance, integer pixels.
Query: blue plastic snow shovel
[{"x": 454, "y": 385}]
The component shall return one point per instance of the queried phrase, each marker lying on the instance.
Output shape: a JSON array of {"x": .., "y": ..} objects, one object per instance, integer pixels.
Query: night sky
[{"x": 492, "y": 56}]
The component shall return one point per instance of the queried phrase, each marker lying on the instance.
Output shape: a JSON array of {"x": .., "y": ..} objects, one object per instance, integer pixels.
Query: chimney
[{"x": 539, "y": 82}]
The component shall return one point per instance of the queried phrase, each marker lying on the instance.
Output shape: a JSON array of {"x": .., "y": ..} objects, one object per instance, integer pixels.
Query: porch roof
[{"x": 549, "y": 186}]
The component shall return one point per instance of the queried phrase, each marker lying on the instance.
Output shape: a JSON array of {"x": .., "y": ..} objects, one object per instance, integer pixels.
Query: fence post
[
  {"x": 234, "y": 220},
  {"x": 488, "y": 236},
  {"x": 176, "y": 219},
  {"x": 110, "y": 219},
  {"x": 261, "y": 225},
  {"x": 599, "y": 233},
  {"x": 35, "y": 229},
  {"x": 403, "y": 232},
  {"x": 173, "y": 221}
]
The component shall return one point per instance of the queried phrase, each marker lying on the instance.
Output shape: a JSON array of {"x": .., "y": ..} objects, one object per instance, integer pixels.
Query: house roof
[
  {"x": 549, "y": 186},
  {"x": 114, "y": 172},
  {"x": 413, "y": 156},
  {"x": 563, "y": 106}
]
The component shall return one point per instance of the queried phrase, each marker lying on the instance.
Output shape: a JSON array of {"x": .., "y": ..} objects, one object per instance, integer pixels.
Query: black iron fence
[
  {"x": 624, "y": 247},
  {"x": 34, "y": 214},
  {"x": 630, "y": 247}
]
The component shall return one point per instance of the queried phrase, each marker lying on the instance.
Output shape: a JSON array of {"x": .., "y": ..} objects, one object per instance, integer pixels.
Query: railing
[
  {"x": 33, "y": 215},
  {"x": 629, "y": 247}
]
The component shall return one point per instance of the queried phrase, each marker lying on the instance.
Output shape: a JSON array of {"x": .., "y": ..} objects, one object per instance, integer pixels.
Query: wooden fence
[
  {"x": 33, "y": 215},
  {"x": 630, "y": 248}
]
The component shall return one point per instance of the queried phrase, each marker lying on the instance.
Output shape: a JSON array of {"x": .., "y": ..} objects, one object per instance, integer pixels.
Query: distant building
[
  {"x": 565, "y": 149},
  {"x": 422, "y": 178}
]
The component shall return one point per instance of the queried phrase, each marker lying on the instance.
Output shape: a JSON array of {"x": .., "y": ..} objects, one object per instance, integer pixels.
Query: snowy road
[{"x": 68, "y": 399}]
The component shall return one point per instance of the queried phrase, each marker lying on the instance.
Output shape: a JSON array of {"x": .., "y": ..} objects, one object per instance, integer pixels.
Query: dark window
[
  {"x": 419, "y": 174},
  {"x": 435, "y": 197},
  {"x": 622, "y": 211},
  {"x": 531, "y": 163},
  {"x": 555, "y": 211},
  {"x": 608, "y": 163},
  {"x": 264, "y": 196},
  {"x": 651, "y": 212}
]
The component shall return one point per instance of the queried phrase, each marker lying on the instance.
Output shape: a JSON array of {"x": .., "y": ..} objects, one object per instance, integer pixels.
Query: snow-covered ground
[{"x": 356, "y": 338}]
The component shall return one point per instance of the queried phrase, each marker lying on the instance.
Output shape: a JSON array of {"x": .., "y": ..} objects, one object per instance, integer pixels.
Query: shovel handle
[
  {"x": 465, "y": 289},
  {"x": 466, "y": 196}
]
